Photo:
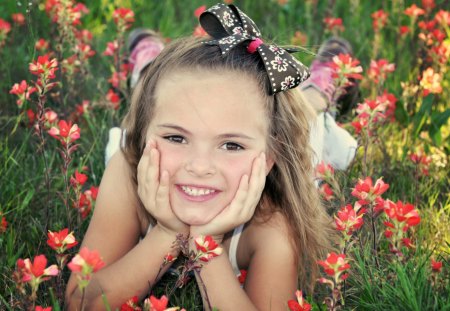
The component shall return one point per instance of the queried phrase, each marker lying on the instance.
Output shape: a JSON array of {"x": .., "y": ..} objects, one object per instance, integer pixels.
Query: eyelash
[{"x": 178, "y": 139}]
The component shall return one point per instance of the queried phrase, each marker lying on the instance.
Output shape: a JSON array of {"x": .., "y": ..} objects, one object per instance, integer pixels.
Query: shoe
[
  {"x": 143, "y": 47},
  {"x": 321, "y": 76}
]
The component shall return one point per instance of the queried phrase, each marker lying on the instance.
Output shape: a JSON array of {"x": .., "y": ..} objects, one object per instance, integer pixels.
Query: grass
[{"x": 31, "y": 204}]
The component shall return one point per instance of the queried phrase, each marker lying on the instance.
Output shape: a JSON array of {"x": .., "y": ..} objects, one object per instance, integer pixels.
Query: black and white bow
[{"x": 230, "y": 27}]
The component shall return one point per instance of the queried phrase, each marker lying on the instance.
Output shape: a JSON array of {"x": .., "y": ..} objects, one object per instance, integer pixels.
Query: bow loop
[{"x": 229, "y": 27}]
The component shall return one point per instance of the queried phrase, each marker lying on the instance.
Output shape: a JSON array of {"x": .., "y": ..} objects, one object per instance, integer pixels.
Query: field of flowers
[{"x": 64, "y": 83}]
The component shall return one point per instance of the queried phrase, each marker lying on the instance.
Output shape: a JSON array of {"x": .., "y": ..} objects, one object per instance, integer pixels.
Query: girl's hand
[
  {"x": 241, "y": 208},
  {"x": 153, "y": 190}
]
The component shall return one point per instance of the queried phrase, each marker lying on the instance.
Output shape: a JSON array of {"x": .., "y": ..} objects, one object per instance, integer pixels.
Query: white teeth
[{"x": 196, "y": 191}]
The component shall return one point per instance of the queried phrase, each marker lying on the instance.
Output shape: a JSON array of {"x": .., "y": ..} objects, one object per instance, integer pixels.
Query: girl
[{"x": 212, "y": 147}]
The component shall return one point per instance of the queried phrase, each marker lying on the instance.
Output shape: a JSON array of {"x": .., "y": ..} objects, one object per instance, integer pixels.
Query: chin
[{"x": 195, "y": 216}]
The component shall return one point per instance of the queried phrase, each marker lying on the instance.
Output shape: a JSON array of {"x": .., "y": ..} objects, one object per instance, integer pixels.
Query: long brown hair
[{"x": 290, "y": 187}]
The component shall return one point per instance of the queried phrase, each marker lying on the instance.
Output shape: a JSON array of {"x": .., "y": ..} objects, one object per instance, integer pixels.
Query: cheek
[
  {"x": 169, "y": 160},
  {"x": 236, "y": 167}
]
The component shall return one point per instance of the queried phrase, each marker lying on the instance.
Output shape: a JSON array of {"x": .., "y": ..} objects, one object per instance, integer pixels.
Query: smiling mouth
[{"x": 197, "y": 192}]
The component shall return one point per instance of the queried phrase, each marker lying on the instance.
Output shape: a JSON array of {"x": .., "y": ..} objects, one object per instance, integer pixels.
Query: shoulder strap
[{"x": 233, "y": 248}]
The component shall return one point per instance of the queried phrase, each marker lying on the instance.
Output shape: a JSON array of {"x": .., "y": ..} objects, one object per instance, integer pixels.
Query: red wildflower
[
  {"x": 3, "y": 224},
  {"x": 443, "y": 18},
  {"x": 155, "y": 304},
  {"x": 44, "y": 67},
  {"x": 198, "y": 11},
  {"x": 118, "y": 78},
  {"x": 326, "y": 192},
  {"x": 111, "y": 48},
  {"x": 324, "y": 171},
  {"x": 335, "y": 265},
  {"x": 23, "y": 92},
  {"x": 61, "y": 241},
  {"x": 242, "y": 276},
  {"x": 300, "y": 304},
  {"x": 404, "y": 30},
  {"x": 333, "y": 23},
  {"x": 41, "y": 45},
  {"x": 123, "y": 18},
  {"x": 5, "y": 27},
  {"x": 86, "y": 201},
  {"x": 199, "y": 31},
  {"x": 359, "y": 124},
  {"x": 18, "y": 18},
  {"x": 345, "y": 67},
  {"x": 39, "y": 308},
  {"x": 83, "y": 35},
  {"x": 131, "y": 305},
  {"x": 367, "y": 192},
  {"x": 421, "y": 160},
  {"x": 168, "y": 259},
  {"x": 78, "y": 179},
  {"x": 407, "y": 242},
  {"x": 84, "y": 264},
  {"x": 84, "y": 51},
  {"x": 349, "y": 219},
  {"x": 207, "y": 248},
  {"x": 428, "y": 4},
  {"x": 83, "y": 108},
  {"x": 436, "y": 266},
  {"x": 379, "y": 69},
  {"x": 35, "y": 272},
  {"x": 414, "y": 11},
  {"x": 113, "y": 98},
  {"x": 379, "y": 20},
  {"x": 405, "y": 215},
  {"x": 66, "y": 133}
]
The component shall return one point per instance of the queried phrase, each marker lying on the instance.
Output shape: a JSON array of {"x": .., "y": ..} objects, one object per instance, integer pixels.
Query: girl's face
[{"x": 209, "y": 126}]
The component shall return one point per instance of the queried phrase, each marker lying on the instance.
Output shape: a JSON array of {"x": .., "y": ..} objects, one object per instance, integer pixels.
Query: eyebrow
[{"x": 221, "y": 136}]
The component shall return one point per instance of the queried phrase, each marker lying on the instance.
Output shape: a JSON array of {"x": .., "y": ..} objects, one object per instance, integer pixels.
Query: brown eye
[
  {"x": 175, "y": 139},
  {"x": 230, "y": 146}
]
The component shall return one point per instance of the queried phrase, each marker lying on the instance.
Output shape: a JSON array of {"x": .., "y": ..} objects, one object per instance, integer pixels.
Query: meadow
[{"x": 64, "y": 84}]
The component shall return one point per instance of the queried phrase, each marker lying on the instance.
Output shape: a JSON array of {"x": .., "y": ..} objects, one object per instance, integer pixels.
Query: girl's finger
[
  {"x": 257, "y": 178},
  {"x": 162, "y": 194}
]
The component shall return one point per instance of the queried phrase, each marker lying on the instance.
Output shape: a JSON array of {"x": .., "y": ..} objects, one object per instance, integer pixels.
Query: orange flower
[{"x": 414, "y": 11}]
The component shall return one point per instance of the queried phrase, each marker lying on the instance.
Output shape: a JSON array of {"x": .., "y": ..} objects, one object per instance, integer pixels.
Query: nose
[{"x": 200, "y": 164}]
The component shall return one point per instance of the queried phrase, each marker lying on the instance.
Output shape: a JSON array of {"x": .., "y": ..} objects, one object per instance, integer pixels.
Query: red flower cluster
[
  {"x": 421, "y": 160},
  {"x": 207, "y": 248},
  {"x": 367, "y": 192},
  {"x": 349, "y": 218},
  {"x": 123, "y": 18},
  {"x": 333, "y": 24},
  {"x": 5, "y": 28},
  {"x": 379, "y": 20},
  {"x": 335, "y": 265},
  {"x": 61, "y": 241},
  {"x": 300, "y": 304},
  {"x": 379, "y": 69},
  {"x": 23, "y": 92},
  {"x": 65, "y": 132},
  {"x": 84, "y": 264}
]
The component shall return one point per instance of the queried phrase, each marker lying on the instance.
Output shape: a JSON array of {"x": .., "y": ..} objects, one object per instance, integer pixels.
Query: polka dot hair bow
[{"x": 230, "y": 27}]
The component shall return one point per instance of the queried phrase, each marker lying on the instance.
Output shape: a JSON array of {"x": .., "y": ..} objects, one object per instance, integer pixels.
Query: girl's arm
[
  {"x": 271, "y": 276},
  {"x": 114, "y": 232}
]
